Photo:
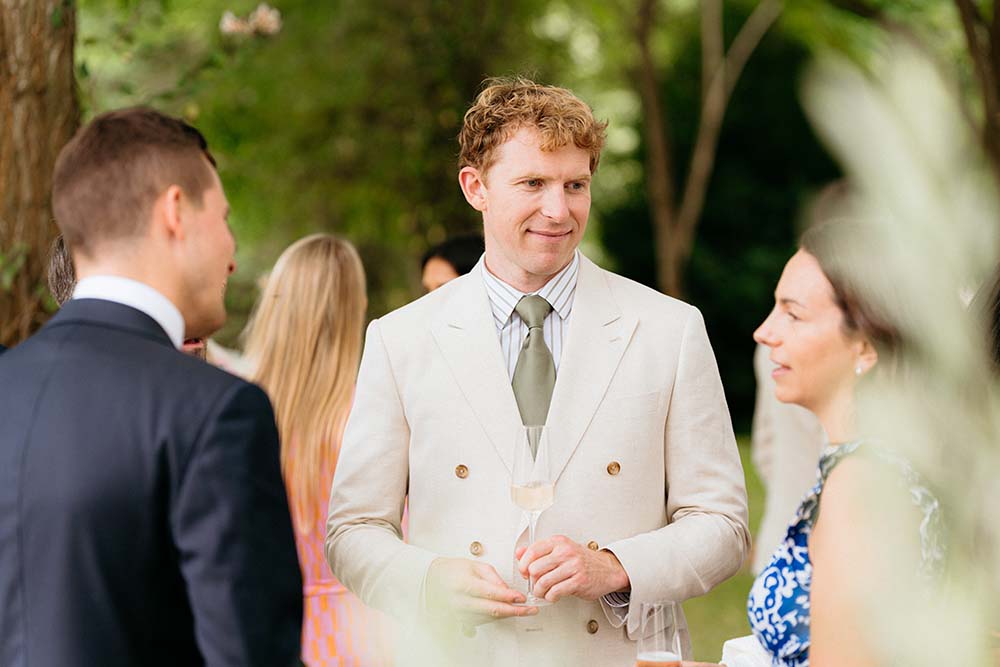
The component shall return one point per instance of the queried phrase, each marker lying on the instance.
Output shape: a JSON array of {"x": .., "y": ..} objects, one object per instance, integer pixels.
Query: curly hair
[{"x": 506, "y": 105}]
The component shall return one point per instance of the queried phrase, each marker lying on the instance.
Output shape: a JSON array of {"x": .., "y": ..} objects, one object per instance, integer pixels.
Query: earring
[{"x": 858, "y": 370}]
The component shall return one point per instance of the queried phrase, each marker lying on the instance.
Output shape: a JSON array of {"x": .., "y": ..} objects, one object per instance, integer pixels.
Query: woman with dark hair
[
  {"x": 450, "y": 259},
  {"x": 824, "y": 338}
]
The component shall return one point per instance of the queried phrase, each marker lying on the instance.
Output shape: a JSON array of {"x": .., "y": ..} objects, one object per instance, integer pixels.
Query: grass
[{"x": 722, "y": 614}]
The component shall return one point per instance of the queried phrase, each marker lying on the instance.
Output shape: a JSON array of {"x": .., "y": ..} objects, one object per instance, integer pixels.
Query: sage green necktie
[{"x": 534, "y": 374}]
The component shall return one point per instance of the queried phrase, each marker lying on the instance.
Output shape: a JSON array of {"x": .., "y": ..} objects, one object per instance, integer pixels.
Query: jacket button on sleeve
[
  {"x": 614, "y": 468},
  {"x": 476, "y": 549},
  {"x": 592, "y": 626},
  {"x": 592, "y": 545},
  {"x": 461, "y": 471}
]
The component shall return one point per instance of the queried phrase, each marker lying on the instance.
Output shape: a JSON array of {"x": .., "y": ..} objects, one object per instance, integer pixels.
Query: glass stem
[{"x": 532, "y": 520}]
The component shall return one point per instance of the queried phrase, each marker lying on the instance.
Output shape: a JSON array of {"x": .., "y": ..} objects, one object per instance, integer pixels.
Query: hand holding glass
[{"x": 532, "y": 487}]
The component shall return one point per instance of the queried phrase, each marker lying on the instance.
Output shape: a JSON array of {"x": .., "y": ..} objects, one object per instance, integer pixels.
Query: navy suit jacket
[{"x": 143, "y": 519}]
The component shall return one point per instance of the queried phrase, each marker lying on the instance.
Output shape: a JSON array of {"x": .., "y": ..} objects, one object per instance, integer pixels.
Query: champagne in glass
[
  {"x": 532, "y": 487},
  {"x": 659, "y": 638}
]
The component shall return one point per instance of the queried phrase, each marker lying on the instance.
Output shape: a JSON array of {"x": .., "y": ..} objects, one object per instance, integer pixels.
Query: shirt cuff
[
  {"x": 614, "y": 610},
  {"x": 618, "y": 599}
]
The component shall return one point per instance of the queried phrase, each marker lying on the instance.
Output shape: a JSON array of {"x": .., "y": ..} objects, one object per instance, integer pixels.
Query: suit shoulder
[
  {"x": 649, "y": 300},
  {"x": 426, "y": 307},
  {"x": 204, "y": 374}
]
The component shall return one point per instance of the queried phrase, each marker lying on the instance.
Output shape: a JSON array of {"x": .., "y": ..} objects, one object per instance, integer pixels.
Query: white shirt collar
[
  {"x": 136, "y": 295},
  {"x": 558, "y": 291}
]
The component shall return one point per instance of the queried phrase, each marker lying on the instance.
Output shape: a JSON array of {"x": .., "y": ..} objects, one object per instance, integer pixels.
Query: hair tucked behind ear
[{"x": 834, "y": 243}]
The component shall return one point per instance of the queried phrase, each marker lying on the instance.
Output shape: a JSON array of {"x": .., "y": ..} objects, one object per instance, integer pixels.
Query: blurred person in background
[
  {"x": 143, "y": 518},
  {"x": 450, "y": 259},
  {"x": 304, "y": 342},
  {"x": 61, "y": 276},
  {"x": 805, "y": 604}
]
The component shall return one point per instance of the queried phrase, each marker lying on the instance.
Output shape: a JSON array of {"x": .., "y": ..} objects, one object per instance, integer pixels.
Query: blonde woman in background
[{"x": 304, "y": 339}]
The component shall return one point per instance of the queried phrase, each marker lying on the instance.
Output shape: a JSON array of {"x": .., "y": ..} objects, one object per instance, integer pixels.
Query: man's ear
[
  {"x": 169, "y": 211},
  {"x": 473, "y": 187}
]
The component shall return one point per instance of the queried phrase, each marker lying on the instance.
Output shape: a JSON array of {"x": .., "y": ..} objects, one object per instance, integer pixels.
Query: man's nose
[
  {"x": 232, "y": 267},
  {"x": 554, "y": 204}
]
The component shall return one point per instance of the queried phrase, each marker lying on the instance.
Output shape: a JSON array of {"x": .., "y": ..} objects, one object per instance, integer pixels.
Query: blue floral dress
[{"x": 778, "y": 605}]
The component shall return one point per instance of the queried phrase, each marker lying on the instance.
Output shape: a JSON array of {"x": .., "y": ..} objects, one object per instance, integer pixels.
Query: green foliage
[
  {"x": 11, "y": 263},
  {"x": 345, "y": 121}
]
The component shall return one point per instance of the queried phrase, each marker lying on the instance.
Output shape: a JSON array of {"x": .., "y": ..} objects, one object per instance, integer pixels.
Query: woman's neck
[{"x": 837, "y": 418}]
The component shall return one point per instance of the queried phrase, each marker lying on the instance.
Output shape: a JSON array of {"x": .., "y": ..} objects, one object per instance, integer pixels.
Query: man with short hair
[
  {"x": 143, "y": 520},
  {"x": 649, "y": 504}
]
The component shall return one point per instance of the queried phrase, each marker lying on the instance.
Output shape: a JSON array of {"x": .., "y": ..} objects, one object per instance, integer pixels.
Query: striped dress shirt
[{"x": 513, "y": 331}]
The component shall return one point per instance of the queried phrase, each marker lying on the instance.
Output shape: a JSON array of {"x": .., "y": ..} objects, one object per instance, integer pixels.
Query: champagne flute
[
  {"x": 532, "y": 487},
  {"x": 659, "y": 636}
]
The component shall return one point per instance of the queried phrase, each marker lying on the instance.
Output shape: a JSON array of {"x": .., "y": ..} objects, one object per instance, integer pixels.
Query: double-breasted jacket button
[
  {"x": 592, "y": 626},
  {"x": 476, "y": 549},
  {"x": 592, "y": 545},
  {"x": 461, "y": 471},
  {"x": 614, "y": 468}
]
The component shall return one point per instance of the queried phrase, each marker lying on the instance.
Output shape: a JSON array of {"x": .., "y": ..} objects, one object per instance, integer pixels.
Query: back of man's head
[
  {"x": 108, "y": 176},
  {"x": 505, "y": 105}
]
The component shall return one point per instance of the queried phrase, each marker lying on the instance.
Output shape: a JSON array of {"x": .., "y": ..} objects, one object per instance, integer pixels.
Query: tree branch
[
  {"x": 759, "y": 22},
  {"x": 712, "y": 113},
  {"x": 859, "y": 8},
  {"x": 712, "y": 43}
]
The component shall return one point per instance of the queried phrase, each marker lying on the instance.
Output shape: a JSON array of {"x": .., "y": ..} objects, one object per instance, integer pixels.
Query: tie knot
[{"x": 533, "y": 309}]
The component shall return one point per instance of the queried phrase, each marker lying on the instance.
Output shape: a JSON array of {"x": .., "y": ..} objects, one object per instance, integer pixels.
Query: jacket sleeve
[
  {"x": 363, "y": 532},
  {"x": 231, "y": 524},
  {"x": 707, "y": 538}
]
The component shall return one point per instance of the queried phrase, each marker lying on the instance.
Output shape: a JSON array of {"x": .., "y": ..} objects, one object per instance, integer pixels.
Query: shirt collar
[
  {"x": 136, "y": 295},
  {"x": 558, "y": 291}
]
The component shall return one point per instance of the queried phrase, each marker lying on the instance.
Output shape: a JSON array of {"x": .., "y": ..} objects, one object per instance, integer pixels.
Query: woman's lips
[{"x": 779, "y": 370}]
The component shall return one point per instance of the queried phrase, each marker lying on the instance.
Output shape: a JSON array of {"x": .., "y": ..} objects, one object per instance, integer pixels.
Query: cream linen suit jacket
[{"x": 640, "y": 437}]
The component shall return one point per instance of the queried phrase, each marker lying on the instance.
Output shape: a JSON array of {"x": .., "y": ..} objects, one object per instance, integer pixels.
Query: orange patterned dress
[{"x": 338, "y": 630}]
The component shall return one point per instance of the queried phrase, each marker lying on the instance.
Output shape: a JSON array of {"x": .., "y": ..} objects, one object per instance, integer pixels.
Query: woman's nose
[{"x": 764, "y": 333}]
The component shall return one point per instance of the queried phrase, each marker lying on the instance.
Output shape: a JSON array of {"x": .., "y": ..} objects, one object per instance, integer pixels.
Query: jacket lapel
[
  {"x": 598, "y": 334},
  {"x": 467, "y": 337}
]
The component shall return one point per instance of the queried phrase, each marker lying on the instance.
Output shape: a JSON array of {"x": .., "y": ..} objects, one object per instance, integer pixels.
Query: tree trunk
[
  {"x": 981, "y": 40},
  {"x": 675, "y": 226},
  {"x": 659, "y": 167},
  {"x": 38, "y": 115}
]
